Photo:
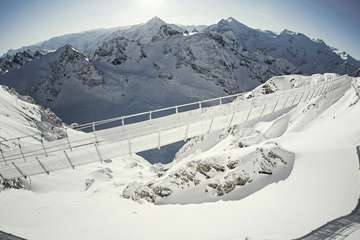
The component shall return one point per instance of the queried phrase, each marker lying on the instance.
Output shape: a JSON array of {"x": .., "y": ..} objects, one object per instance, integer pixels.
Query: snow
[
  {"x": 354, "y": 236},
  {"x": 322, "y": 186}
]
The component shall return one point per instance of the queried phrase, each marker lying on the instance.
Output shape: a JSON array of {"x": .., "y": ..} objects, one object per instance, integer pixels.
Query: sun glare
[{"x": 150, "y": 3}]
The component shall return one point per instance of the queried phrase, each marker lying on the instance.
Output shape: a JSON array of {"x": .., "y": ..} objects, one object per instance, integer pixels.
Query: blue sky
[{"x": 24, "y": 22}]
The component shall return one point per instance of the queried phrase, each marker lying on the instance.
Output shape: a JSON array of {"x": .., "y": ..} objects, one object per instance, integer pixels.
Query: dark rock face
[
  {"x": 215, "y": 176},
  {"x": 8, "y": 62},
  {"x": 13, "y": 183}
]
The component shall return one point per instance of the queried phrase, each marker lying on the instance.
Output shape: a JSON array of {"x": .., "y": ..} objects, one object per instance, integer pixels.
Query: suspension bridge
[{"x": 126, "y": 135}]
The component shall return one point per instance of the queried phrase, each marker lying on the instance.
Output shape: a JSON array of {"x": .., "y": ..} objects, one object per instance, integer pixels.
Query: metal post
[
  {"x": 98, "y": 152},
  {"x": 312, "y": 95},
  {"x": 277, "y": 101},
  {"x": 263, "y": 110},
  {"x": 159, "y": 138},
  {"x": 211, "y": 123},
  {"x": 248, "y": 114},
  {"x": 307, "y": 97},
  {"x": 42, "y": 166},
  {"x": 150, "y": 115},
  {"x": 176, "y": 109},
  {"x": 2, "y": 156},
  {"x": 287, "y": 99},
  {"x": 319, "y": 91},
  {"x": 220, "y": 101},
  {"x": 69, "y": 160},
  {"x": 292, "y": 103},
  {"x": 322, "y": 90},
  {"x": 129, "y": 145},
  {"x": 93, "y": 128},
  {"x": 67, "y": 139},
  {"x": 18, "y": 169},
  {"x": 43, "y": 145},
  {"x": 231, "y": 119},
  {"x": 357, "y": 91},
  {"x": 186, "y": 132},
  {"x": 302, "y": 95},
  {"x": 122, "y": 122},
  {"x": 22, "y": 153}
]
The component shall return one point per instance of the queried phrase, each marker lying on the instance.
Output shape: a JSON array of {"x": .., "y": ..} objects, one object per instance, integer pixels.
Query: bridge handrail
[
  {"x": 177, "y": 107},
  {"x": 287, "y": 98},
  {"x": 121, "y": 118}
]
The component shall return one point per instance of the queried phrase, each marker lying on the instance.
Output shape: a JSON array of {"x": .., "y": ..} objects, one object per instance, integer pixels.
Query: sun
[{"x": 153, "y": 4}]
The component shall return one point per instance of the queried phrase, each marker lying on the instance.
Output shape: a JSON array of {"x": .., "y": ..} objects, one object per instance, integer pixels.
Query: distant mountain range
[{"x": 107, "y": 72}]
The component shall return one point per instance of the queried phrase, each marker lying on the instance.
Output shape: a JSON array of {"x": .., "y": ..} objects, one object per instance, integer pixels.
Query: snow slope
[
  {"x": 19, "y": 116},
  {"x": 323, "y": 185}
]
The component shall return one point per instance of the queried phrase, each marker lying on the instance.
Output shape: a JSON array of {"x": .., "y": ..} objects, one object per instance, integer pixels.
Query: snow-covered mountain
[
  {"x": 55, "y": 76},
  {"x": 136, "y": 64},
  {"x": 17, "y": 60},
  {"x": 86, "y": 42},
  {"x": 123, "y": 70},
  {"x": 308, "y": 55}
]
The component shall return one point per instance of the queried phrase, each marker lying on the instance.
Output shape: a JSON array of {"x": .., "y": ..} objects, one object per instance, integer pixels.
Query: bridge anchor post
[
  {"x": 98, "y": 152},
  {"x": 18, "y": 169},
  {"x": 69, "y": 160},
  {"x": 21, "y": 151},
  {"x": 43, "y": 145},
  {"x": 159, "y": 139},
  {"x": 3, "y": 157},
  {"x": 67, "y": 139},
  {"x": 42, "y": 166},
  {"x": 129, "y": 146}
]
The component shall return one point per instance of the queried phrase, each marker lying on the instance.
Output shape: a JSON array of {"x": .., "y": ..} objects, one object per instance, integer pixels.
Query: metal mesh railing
[{"x": 153, "y": 129}]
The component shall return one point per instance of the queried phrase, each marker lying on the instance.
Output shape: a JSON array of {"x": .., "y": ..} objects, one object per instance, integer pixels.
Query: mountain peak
[
  {"x": 155, "y": 21},
  {"x": 231, "y": 19},
  {"x": 232, "y": 23},
  {"x": 288, "y": 32}
]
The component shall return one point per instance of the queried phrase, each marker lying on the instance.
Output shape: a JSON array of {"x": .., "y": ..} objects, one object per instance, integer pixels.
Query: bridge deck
[{"x": 150, "y": 133}]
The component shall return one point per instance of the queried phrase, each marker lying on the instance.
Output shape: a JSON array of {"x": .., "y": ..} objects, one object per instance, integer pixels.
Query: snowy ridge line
[{"x": 132, "y": 138}]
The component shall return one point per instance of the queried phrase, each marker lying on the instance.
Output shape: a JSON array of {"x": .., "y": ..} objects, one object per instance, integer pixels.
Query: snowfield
[{"x": 323, "y": 183}]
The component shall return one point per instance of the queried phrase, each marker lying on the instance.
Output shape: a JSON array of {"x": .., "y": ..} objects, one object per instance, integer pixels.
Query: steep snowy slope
[
  {"x": 19, "y": 116},
  {"x": 322, "y": 186}
]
